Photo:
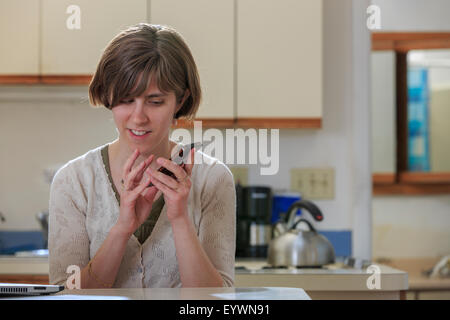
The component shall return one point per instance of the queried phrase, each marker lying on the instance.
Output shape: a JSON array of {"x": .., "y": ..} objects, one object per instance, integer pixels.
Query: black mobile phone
[{"x": 181, "y": 164}]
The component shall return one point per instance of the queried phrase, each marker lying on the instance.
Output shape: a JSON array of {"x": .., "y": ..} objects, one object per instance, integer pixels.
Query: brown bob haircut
[{"x": 136, "y": 55}]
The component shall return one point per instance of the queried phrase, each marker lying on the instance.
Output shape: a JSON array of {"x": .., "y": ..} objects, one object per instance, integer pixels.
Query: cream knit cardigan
[{"x": 83, "y": 208}]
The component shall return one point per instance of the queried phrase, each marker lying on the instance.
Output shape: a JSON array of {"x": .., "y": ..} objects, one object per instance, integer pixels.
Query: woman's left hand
[{"x": 175, "y": 191}]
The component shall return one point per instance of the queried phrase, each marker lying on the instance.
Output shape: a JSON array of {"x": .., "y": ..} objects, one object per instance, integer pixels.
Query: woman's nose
[{"x": 139, "y": 115}]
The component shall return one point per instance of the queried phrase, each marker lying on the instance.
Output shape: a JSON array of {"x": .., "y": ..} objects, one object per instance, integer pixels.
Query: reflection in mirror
[
  {"x": 429, "y": 110},
  {"x": 383, "y": 99}
]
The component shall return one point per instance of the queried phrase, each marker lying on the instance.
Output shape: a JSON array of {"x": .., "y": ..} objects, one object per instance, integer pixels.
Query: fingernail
[{"x": 160, "y": 161}]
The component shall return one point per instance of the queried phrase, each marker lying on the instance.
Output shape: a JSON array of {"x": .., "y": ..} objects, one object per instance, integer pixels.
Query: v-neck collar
[
  {"x": 144, "y": 231},
  {"x": 105, "y": 158}
]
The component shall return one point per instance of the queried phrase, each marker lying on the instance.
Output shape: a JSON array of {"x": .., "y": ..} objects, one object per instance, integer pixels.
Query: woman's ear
[{"x": 183, "y": 100}]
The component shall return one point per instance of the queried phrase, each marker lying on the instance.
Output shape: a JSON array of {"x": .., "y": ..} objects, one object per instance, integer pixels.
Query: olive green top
[{"x": 145, "y": 229}]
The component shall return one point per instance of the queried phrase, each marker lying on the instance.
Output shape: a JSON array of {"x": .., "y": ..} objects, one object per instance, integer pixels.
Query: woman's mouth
[{"x": 138, "y": 133}]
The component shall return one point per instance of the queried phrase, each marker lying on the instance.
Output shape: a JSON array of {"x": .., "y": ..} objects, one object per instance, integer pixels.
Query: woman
[{"x": 112, "y": 213}]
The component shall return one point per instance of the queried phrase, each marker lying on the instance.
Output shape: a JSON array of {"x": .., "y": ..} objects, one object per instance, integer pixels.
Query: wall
[
  {"x": 414, "y": 15},
  {"x": 414, "y": 226},
  {"x": 54, "y": 131},
  {"x": 40, "y": 128}
]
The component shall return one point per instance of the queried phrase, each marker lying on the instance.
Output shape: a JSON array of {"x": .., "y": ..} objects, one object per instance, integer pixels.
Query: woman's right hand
[{"x": 136, "y": 199}]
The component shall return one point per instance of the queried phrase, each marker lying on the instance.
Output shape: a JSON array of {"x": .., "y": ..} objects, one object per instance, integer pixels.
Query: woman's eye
[
  {"x": 126, "y": 101},
  {"x": 157, "y": 102}
]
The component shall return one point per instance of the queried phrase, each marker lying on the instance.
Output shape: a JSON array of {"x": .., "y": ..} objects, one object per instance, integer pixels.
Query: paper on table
[{"x": 264, "y": 294}]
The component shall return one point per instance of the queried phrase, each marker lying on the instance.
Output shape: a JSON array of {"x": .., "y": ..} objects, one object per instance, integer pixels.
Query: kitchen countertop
[
  {"x": 330, "y": 278},
  {"x": 23, "y": 265},
  {"x": 333, "y": 277},
  {"x": 335, "y": 281},
  {"x": 258, "y": 293},
  {"x": 415, "y": 268}
]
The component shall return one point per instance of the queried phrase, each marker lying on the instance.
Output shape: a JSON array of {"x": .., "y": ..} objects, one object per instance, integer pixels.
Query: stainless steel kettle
[{"x": 291, "y": 247}]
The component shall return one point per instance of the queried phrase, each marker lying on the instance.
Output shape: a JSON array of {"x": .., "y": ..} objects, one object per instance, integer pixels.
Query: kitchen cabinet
[
  {"x": 40, "y": 43},
  {"x": 208, "y": 28},
  {"x": 260, "y": 61},
  {"x": 77, "y": 51},
  {"x": 279, "y": 59},
  {"x": 19, "y": 35}
]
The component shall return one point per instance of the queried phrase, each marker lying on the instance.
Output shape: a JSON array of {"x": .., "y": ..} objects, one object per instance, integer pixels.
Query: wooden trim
[
  {"x": 383, "y": 178},
  {"x": 274, "y": 123},
  {"x": 24, "y": 278},
  {"x": 401, "y": 112},
  {"x": 19, "y": 79},
  {"x": 48, "y": 79},
  {"x": 257, "y": 123},
  {"x": 66, "y": 80},
  {"x": 425, "y": 177},
  {"x": 206, "y": 123},
  {"x": 411, "y": 183},
  {"x": 410, "y": 189},
  {"x": 405, "y": 41}
]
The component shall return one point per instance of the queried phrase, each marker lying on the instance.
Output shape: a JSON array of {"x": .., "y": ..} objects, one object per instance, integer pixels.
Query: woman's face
[{"x": 143, "y": 122}]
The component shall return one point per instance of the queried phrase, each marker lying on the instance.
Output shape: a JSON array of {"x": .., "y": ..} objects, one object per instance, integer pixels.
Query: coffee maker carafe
[{"x": 254, "y": 209}]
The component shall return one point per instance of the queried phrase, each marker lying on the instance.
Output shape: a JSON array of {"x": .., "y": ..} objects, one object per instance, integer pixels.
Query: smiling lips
[{"x": 138, "y": 133}]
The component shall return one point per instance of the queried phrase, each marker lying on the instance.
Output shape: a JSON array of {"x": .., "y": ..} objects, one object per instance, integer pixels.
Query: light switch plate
[
  {"x": 240, "y": 173},
  {"x": 313, "y": 183}
]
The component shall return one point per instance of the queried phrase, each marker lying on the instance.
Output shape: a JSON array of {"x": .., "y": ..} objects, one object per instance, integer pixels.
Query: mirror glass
[
  {"x": 429, "y": 110},
  {"x": 383, "y": 111}
]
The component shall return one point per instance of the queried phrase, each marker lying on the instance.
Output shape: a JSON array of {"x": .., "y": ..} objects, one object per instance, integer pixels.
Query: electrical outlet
[
  {"x": 240, "y": 173},
  {"x": 313, "y": 183}
]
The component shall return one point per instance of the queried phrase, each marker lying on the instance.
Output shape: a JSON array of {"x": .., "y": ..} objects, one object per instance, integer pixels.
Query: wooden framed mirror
[{"x": 411, "y": 112}]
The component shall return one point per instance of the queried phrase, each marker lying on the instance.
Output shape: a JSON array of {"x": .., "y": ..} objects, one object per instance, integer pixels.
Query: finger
[
  {"x": 164, "y": 189},
  {"x": 149, "y": 193},
  {"x": 131, "y": 177},
  {"x": 178, "y": 171},
  {"x": 147, "y": 161},
  {"x": 129, "y": 163},
  {"x": 167, "y": 180},
  {"x": 141, "y": 187},
  {"x": 190, "y": 162}
]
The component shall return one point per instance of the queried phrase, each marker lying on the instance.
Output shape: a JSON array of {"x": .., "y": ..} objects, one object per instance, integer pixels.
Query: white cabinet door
[
  {"x": 19, "y": 37},
  {"x": 207, "y": 26},
  {"x": 279, "y": 59},
  {"x": 77, "y": 51}
]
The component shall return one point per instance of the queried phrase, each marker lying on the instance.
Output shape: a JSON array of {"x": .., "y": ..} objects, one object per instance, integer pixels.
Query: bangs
[{"x": 136, "y": 81}]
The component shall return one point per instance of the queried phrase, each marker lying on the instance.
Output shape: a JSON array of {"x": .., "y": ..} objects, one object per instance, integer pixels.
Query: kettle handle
[
  {"x": 307, "y": 222},
  {"x": 303, "y": 204}
]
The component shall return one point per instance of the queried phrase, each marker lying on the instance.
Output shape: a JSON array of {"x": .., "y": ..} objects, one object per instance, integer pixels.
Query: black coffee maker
[{"x": 253, "y": 212}]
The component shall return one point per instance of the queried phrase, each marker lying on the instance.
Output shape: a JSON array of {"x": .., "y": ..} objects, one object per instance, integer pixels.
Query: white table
[{"x": 249, "y": 293}]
